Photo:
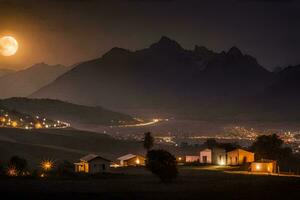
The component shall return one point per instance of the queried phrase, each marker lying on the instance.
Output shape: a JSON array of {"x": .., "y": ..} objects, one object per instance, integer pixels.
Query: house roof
[
  {"x": 90, "y": 157},
  {"x": 127, "y": 157},
  {"x": 265, "y": 161},
  {"x": 240, "y": 150}
]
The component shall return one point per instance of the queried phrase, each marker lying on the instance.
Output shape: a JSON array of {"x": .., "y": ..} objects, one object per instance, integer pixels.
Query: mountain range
[
  {"x": 24, "y": 82},
  {"x": 166, "y": 76},
  {"x": 4, "y": 72}
]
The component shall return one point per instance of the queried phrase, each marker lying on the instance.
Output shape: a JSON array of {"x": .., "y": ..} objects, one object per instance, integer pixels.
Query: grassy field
[
  {"x": 192, "y": 183},
  {"x": 35, "y": 145}
]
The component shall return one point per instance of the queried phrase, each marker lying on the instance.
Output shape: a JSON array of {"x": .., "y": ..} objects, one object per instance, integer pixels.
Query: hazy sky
[{"x": 71, "y": 31}]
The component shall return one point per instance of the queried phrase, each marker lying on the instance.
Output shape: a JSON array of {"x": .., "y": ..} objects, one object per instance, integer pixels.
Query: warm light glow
[
  {"x": 257, "y": 167},
  {"x": 179, "y": 158},
  {"x": 11, "y": 171},
  {"x": 3, "y": 119},
  {"x": 8, "y": 46},
  {"x": 47, "y": 165},
  {"x": 38, "y": 125},
  {"x": 222, "y": 163},
  {"x": 137, "y": 161},
  {"x": 14, "y": 124}
]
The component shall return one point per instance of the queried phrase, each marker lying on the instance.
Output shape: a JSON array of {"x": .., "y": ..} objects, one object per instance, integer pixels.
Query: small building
[
  {"x": 132, "y": 160},
  {"x": 206, "y": 156},
  {"x": 216, "y": 156},
  {"x": 92, "y": 164},
  {"x": 192, "y": 159},
  {"x": 264, "y": 166},
  {"x": 239, "y": 157}
]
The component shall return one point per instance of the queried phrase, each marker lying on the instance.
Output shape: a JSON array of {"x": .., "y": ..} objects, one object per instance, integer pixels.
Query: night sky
[{"x": 71, "y": 31}]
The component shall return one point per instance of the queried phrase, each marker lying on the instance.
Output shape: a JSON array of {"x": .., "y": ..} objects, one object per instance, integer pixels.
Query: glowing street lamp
[
  {"x": 11, "y": 171},
  {"x": 47, "y": 165}
]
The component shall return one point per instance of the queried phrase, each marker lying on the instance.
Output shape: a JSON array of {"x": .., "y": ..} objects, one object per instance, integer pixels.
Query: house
[
  {"x": 265, "y": 166},
  {"x": 132, "y": 160},
  {"x": 192, "y": 159},
  {"x": 92, "y": 164},
  {"x": 205, "y": 156},
  {"x": 216, "y": 156},
  {"x": 239, "y": 157}
]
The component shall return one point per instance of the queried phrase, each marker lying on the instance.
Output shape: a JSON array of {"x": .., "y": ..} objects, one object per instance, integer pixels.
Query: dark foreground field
[{"x": 138, "y": 184}]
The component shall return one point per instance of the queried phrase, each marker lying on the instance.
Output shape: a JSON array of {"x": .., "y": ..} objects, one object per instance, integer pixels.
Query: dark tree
[
  {"x": 268, "y": 147},
  {"x": 163, "y": 164},
  {"x": 19, "y": 163},
  {"x": 211, "y": 143},
  {"x": 65, "y": 168},
  {"x": 271, "y": 147},
  {"x": 148, "y": 141},
  {"x": 229, "y": 146},
  {"x": 1, "y": 169}
]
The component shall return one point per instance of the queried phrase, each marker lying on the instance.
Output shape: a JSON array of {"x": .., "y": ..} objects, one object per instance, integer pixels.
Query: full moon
[{"x": 8, "y": 46}]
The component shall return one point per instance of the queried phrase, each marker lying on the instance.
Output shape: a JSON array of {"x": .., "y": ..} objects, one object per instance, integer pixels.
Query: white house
[
  {"x": 216, "y": 156},
  {"x": 206, "y": 156},
  {"x": 92, "y": 164}
]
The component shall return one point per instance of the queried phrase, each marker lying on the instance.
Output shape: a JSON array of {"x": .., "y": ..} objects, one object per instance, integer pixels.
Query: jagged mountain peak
[
  {"x": 202, "y": 50},
  {"x": 166, "y": 43},
  {"x": 234, "y": 51},
  {"x": 116, "y": 51}
]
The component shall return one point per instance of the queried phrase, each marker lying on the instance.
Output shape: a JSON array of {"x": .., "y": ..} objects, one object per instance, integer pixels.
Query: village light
[
  {"x": 137, "y": 161},
  {"x": 11, "y": 171},
  {"x": 257, "y": 167},
  {"x": 14, "y": 124},
  {"x": 3, "y": 119},
  {"x": 38, "y": 125},
  {"x": 47, "y": 165},
  {"x": 222, "y": 163}
]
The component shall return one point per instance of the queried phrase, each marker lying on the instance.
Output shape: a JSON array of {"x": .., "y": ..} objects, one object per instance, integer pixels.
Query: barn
[
  {"x": 239, "y": 157},
  {"x": 92, "y": 164},
  {"x": 264, "y": 166}
]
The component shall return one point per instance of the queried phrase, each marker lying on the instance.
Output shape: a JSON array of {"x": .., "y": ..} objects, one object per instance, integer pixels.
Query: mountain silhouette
[
  {"x": 165, "y": 75},
  {"x": 4, "y": 72},
  {"x": 23, "y": 83}
]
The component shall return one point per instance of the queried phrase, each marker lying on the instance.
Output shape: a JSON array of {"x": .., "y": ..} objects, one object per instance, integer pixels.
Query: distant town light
[
  {"x": 38, "y": 125},
  {"x": 14, "y": 124}
]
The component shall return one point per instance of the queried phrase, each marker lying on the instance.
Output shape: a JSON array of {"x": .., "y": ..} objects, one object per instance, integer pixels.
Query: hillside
[
  {"x": 161, "y": 76},
  {"x": 36, "y": 145},
  {"x": 4, "y": 72},
  {"x": 24, "y": 82},
  {"x": 196, "y": 83},
  {"x": 72, "y": 113}
]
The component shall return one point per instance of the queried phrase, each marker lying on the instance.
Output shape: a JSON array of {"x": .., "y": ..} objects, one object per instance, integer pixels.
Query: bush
[
  {"x": 20, "y": 164},
  {"x": 65, "y": 168},
  {"x": 162, "y": 164}
]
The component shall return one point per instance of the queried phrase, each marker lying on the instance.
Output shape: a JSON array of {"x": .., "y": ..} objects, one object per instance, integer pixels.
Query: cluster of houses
[{"x": 212, "y": 156}]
